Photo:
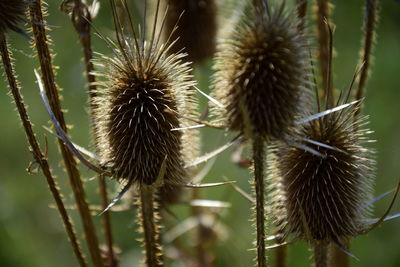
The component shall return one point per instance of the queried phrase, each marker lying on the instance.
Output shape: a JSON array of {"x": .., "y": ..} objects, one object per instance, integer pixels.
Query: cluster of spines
[
  {"x": 324, "y": 196},
  {"x": 260, "y": 71},
  {"x": 141, "y": 100},
  {"x": 12, "y": 12}
]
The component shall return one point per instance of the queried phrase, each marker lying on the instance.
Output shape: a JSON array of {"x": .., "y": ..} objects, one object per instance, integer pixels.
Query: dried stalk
[
  {"x": 40, "y": 158},
  {"x": 324, "y": 55},
  {"x": 337, "y": 258},
  {"x": 321, "y": 254},
  {"x": 41, "y": 44},
  {"x": 148, "y": 221},
  {"x": 370, "y": 22},
  {"x": 259, "y": 158},
  {"x": 81, "y": 19},
  {"x": 281, "y": 256}
]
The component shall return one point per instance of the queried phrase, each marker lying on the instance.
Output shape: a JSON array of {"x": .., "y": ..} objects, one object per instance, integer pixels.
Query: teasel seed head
[
  {"x": 325, "y": 196},
  {"x": 12, "y": 12},
  {"x": 197, "y": 27},
  {"x": 144, "y": 94},
  {"x": 261, "y": 70}
]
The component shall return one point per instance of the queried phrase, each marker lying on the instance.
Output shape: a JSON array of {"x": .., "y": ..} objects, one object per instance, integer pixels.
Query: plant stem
[
  {"x": 337, "y": 258},
  {"x": 39, "y": 156},
  {"x": 45, "y": 58},
  {"x": 149, "y": 219},
  {"x": 258, "y": 158},
  {"x": 370, "y": 22},
  {"x": 321, "y": 253},
  {"x": 81, "y": 19},
  {"x": 281, "y": 256}
]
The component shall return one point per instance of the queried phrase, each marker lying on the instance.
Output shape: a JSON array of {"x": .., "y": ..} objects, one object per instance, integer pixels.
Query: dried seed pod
[
  {"x": 261, "y": 70},
  {"x": 144, "y": 94},
  {"x": 197, "y": 27},
  {"x": 324, "y": 198},
  {"x": 12, "y": 12}
]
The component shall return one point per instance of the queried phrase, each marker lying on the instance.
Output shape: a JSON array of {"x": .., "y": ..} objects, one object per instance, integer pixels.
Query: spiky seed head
[
  {"x": 261, "y": 68},
  {"x": 143, "y": 96},
  {"x": 325, "y": 196},
  {"x": 12, "y": 13},
  {"x": 197, "y": 27}
]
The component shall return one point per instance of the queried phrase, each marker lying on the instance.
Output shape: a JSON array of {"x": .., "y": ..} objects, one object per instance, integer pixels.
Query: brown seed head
[
  {"x": 262, "y": 68},
  {"x": 331, "y": 192},
  {"x": 12, "y": 13},
  {"x": 197, "y": 27},
  {"x": 144, "y": 95}
]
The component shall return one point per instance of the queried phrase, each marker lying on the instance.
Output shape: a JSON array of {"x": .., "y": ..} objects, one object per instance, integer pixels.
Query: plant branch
[
  {"x": 39, "y": 156},
  {"x": 41, "y": 43}
]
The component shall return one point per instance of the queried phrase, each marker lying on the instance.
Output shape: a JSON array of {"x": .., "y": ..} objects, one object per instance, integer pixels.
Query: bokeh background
[{"x": 31, "y": 232}]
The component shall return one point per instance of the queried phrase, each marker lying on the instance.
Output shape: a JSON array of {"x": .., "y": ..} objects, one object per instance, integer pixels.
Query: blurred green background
[{"x": 31, "y": 233}]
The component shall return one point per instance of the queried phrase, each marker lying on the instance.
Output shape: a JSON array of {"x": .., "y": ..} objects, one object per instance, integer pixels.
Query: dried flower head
[
  {"x": 261, "y": 71},
  {"x": 327, "y": 195},
  {"x": 197, "y": 27},
  {"x": 145, "y": 93},
  {"x": 12, "y": 12}
]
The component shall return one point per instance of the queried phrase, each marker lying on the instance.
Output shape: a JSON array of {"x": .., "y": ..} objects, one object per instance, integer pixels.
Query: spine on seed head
[
  {"x": 324, "y": 198},
  {"x": 12, "y": 12},
  {"x": 261, "y": 71}
]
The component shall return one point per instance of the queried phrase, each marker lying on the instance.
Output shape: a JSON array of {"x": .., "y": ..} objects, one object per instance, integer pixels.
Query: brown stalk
[
  {"x": 370, "y": 22},
  {"x": 81, "y": 19},
  {"x": 281, "y": 256},
  {"x": 40, "y": 158},
  {"x": 324, "y": 55},
  {"x": 259, "y": 159},
  {"x": 148, "y": 219},
  {"x": 48, "y": 77},
  {"x": 301, "y": 11},
  {"x": 337, "y": 258},
  {"x": 321, "y": 253}
]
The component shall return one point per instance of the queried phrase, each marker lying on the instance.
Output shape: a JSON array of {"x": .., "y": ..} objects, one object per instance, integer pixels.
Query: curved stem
[
  {"x": 39, "y": 156},
  {"x": 258, "y": 158}
]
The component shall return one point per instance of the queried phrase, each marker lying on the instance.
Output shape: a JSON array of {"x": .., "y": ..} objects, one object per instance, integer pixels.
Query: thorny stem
[
  {"x": 41, "y": 44},
  {"x": 371, "y": 18},
  {"x": 281, "y": 256},
  {"x": 321, "y": 254},
  {"x": 39, "y": 156},
  {"x": 337, "y": 258},
  {"x": 151, "y": 229},
  {"x": 258, "y": 158},
  {"x": 322, "y": 15},
  {"x": 81, "y": 19}
]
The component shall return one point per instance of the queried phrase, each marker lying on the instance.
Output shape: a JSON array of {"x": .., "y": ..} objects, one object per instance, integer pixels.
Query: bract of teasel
[
  {"x": 12, "y": 12},
  {"x": 262, "y": 71},
  {"x": 324, "y": 198},
  {"x": 143, "y": 95}
]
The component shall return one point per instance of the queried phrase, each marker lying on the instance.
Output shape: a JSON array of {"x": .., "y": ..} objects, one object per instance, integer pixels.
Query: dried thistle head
[
  {"x": 261, "y": 72},
  {"x": 197, "y": 27},
  {"x": 12, "y": 12},
  {"x": 144, "y": 94},
  {"x": 324, "y": 198}
]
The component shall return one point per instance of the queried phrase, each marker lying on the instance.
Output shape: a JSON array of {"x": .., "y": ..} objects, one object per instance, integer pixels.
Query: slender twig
[
  {"x": 259, "y": 158},
  {"x": 322, "y": 16},
  {"x": 39, "y": 156},
  {"x": 321, "y": 254},
  {"x": 148, "y": 220},
  {"x": 41, "y": 43},
  {"x": 370, "y": 22},
  {"x": 81, "y": 19}
]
